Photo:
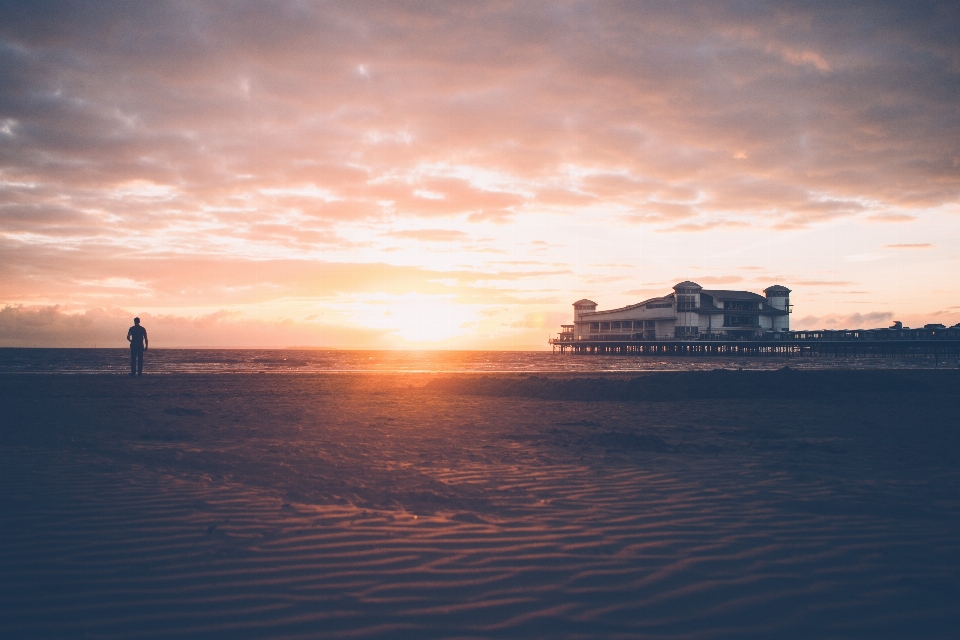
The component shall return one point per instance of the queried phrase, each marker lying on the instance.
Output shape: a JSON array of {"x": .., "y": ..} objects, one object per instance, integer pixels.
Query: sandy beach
[{"x": 814, "y": 504}]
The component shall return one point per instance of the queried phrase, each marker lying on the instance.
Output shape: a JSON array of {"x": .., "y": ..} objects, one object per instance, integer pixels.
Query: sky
[{"x": 456, "y": 174}]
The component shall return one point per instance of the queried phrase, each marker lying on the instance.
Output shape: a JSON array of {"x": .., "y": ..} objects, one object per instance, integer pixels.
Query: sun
[{"x": 418, "y": 318}]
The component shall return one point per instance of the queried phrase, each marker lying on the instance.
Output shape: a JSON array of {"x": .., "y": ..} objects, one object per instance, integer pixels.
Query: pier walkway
[{"x": 922, "y": 343}]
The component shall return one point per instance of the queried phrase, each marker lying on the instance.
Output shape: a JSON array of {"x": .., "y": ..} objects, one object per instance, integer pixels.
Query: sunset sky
[{"x": 455, "y": 175}]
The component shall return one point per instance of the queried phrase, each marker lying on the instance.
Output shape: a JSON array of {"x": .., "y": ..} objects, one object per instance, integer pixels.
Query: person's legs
[
  {"x": 139, "y": 363},
  {"x": 133, "y": 362}
]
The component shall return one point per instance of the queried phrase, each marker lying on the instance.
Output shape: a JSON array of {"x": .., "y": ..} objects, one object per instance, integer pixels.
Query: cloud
[
  {"x": 207, "y": 99},
  {"x": 909, "y": 245},
  {"x": 716, "y": 279},
  {"x": 430, "y": 235},
  {"x": 53, "y": 327},
  {"x": 234, "y": 153},
  {"x": 823, "y": 283},
  {"x": 892, "y": 217},
  {"x": 870, "y": 320},
  {"x": 645, "y": 293},
  {"x": 545, "y": 321},
  {"x": 690, "y": 227}
]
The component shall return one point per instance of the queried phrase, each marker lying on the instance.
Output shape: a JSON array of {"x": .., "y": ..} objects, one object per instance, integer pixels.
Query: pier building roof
[{"x": 726, "y": 294}]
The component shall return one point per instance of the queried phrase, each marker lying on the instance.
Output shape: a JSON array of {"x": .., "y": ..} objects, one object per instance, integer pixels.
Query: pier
[
  {"x": 936, "y": 343},
  {"x": 693, "y": 321}
]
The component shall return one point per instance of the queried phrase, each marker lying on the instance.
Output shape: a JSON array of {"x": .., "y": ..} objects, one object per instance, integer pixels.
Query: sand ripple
[{"x": 341, "y": 513}]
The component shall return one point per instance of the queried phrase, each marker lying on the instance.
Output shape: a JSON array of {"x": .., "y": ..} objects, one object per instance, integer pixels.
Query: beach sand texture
[{"x": 679, "y": 505}]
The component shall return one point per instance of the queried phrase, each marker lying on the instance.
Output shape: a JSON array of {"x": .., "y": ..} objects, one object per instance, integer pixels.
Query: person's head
[{"x": 136, "y": 321}]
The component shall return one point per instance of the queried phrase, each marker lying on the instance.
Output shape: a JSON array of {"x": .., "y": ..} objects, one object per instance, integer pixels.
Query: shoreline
[{"x": 213, "y": 361}]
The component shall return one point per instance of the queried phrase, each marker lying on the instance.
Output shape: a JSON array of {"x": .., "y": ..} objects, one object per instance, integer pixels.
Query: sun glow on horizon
[{"x": 414, "y": 318}]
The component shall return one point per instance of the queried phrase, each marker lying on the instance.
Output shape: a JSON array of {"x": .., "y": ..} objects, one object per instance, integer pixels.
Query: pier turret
[
  {"x": 580, "y": 327},
  {"x": 688, "y": 301},
  {"x": 778, "y": 297},
  {"x": 582, "y": 305}
]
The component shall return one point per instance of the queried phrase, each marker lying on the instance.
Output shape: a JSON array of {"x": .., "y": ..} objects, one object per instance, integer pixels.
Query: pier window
[
  {"x": 604, "y": 326},
  {"x": 594, "y": 327},
  {"x": 615, "y": 326},
  {"x": 737, "y": 321},
  {"x": 740, "y": 305},
  {"x": 651, "y": 324}
]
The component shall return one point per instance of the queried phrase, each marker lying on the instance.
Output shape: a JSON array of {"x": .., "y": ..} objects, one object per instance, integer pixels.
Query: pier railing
[{"x": 936, "y": 342}]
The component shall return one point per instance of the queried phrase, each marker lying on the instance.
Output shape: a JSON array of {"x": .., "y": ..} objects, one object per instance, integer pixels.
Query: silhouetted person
[{"x": 137, "y": 337}]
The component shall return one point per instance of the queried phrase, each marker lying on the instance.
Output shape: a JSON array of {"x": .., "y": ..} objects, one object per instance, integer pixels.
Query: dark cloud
[{"x": 817, "y": 102}]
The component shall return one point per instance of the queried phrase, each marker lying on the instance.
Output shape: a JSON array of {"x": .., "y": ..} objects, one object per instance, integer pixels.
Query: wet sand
[{"x": 729, "y": 505}]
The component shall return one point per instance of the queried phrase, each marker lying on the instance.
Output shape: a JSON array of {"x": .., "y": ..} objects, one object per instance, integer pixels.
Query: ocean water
[{"x": 179, "y": 361}]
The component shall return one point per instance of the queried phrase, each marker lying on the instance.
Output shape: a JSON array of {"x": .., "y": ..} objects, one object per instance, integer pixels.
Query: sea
[{"x": 234, "y": 361}]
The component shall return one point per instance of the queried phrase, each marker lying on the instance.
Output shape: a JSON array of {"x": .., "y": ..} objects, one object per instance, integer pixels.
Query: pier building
[
  {"x": 689, "y": 313},
  {"x": 693, "y": 321}
]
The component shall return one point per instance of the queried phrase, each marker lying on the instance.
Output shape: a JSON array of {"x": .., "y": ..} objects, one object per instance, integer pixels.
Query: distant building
[{"x": 690, "y": 312}]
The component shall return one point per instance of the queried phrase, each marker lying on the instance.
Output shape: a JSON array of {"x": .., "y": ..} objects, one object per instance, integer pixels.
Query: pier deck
[{"x": 944, "y": 348}]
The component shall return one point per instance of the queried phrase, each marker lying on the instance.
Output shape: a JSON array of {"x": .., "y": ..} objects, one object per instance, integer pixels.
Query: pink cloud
[
  {"x": 909, "y": 245},
  {"x": 237, "y": 154},
  {"x": 53, "y": 327},
  {"x": 431, "y": 235},
  {"x": 871, "y": 320}
]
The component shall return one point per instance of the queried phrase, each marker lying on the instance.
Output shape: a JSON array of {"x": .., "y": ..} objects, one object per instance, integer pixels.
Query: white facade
[{"x": 690, "y": 312}]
